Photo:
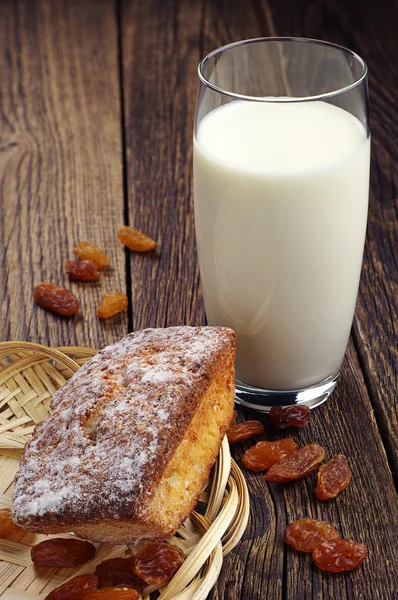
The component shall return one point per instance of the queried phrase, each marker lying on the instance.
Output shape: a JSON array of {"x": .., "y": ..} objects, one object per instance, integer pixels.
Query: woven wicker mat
[{"x": 29, "y": 376}]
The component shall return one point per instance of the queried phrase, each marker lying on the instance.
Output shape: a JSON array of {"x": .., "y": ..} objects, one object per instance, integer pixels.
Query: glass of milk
[{"x": 281, "y": 186}]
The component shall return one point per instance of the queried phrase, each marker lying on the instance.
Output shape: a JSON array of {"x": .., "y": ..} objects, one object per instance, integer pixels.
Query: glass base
[{"x": 263, "y": 400}]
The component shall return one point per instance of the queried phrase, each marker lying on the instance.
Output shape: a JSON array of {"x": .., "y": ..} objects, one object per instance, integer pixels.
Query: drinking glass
[{"x": 281, "y": 186}]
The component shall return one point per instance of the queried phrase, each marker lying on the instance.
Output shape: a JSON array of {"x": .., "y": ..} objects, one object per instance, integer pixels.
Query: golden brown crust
[
  {"x": 114, "y": 428},
  {"x": 187, "y": 472}
]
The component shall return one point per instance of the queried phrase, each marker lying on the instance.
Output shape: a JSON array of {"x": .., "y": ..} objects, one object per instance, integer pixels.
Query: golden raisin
[
  {"x": 242, "y": 431},
  {"x": 62, "y": 552},
  {"x": 81, "y": 270},
  {"x": 158, "y": 562},
  {"x": 135, "y": 240},
  {"x": 120, "y": 571},
  {"x": 110, "y": 594},
  {"x": 264, "y": 455},
  {"x": 306, "y": 534},
  {"x": 86, "y": 251},
  {"x": 7, "y": 525},
  {"x": 74, "y": 588},
  {"x": 339, "y": 555},
  {"x": 291, "y": 416},
  {"x": 59, "y": 300},
  {"x": 296, "y": 466},
  {"x": 333, "y": 477},
  {"x": 112, "y": 304}
]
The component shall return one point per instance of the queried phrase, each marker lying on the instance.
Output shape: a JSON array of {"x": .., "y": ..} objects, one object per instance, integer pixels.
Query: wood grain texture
[
  {"x": 367, "y": 28},
  {"x": 60, "y": 163},
  {"x": 162, "y": 42}
]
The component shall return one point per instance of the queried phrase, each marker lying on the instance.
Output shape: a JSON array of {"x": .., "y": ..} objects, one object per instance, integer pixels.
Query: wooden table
[{"x": 96, "y": 112}]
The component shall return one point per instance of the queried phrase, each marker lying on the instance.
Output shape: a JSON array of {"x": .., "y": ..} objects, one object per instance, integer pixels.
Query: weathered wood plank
[
  {"x": 161, "y": 46},
  {"x": 160, "y": 55},
  {"x": 60, "y": 162},
  {"x": 367, "y": 28},
  {"x": 161, "y": 50}
]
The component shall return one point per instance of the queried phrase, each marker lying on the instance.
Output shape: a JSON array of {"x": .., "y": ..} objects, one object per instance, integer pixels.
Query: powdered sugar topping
[{"x": 111, "y": 425}]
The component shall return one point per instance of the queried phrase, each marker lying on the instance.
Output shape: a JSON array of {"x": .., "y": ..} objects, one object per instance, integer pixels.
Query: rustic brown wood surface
[
  {"x": 96, "y": 110},
  {"x": 60, "y": 162}
]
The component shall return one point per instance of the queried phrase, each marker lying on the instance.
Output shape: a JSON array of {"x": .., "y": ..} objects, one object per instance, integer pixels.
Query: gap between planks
[
  {"x": 126, "y": 216},
  {"x": 378, "y": 417}
]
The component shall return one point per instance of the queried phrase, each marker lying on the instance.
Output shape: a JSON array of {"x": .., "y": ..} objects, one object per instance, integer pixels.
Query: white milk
[{"x": 281, "y": 196}]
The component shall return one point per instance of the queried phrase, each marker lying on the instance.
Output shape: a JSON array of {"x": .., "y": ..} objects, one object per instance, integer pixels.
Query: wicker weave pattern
[
  {"x": 28, "y": 380},
  {"x": 29, "y": 376}
]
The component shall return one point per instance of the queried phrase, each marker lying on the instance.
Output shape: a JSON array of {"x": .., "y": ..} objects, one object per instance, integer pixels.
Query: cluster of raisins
[
  {"x": 329, "y": 551},
  {"x": 285, "y": 462},
  {"x": 91, "y": 260},
  {"x": 154, "y": 564},
  {"x": 120, "y": 578}
]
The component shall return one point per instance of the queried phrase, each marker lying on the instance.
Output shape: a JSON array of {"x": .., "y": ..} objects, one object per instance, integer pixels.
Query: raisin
[
  {"x": 266, "y": 454},
  {"x": 339, "y": 555},
  {"x": 306, "y": 534},
  {"x": 120, "y": 571},
  {"x": 56, "y": 299},
  {"x": 110, "y": 594},
  {"x": 158, "y": 562},
  {"x": 242, "y": 431},
  {"x": 61, "y": 552},
  {"x": 81, "y": 270},
  {"x": 86, "y": 251},
  {"x": 292, "y": 416},
  {"x": 7, "y": 525},
  {"x": 74, "y": 588},
  {"x": 296, "y": 466},
  {"x": 333, "y": 477},
  {"x": 135, "y": 240},
  {"x": 112, "y": 304}
]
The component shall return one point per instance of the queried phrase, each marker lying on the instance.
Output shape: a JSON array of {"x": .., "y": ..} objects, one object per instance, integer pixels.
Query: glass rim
[{"x": 325, "y": 95}]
